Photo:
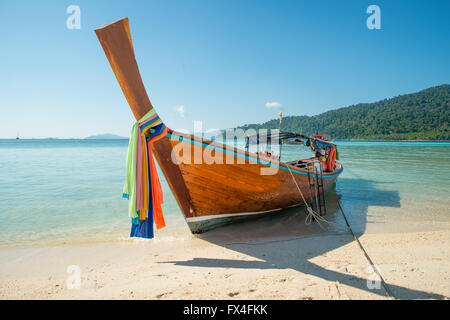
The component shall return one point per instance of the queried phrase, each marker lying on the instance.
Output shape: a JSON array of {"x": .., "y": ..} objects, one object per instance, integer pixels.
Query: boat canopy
[{"x": 277, "y": 137}]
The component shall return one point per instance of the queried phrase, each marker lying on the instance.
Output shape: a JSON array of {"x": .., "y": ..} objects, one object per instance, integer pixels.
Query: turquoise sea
[{"x": 55, "y": 191}]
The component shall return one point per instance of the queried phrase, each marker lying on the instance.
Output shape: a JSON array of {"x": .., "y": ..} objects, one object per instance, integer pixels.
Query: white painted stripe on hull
[{"x": 219, "y": 216}]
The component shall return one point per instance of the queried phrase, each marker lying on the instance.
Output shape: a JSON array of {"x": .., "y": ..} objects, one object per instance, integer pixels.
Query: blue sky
[{"x": 221, "y": 60}]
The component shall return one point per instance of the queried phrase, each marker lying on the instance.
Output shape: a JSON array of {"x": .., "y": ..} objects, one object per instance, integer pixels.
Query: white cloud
[
  {"x": 273, "y": 105},
  {"x": 181, "y": 110}
]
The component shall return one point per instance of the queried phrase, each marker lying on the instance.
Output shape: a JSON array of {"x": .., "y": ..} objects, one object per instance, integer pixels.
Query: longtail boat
[{"x": 215, "y": 183}]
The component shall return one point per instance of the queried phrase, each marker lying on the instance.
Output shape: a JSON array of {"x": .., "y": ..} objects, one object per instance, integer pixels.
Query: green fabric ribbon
[{"x": 129, "y": 187}]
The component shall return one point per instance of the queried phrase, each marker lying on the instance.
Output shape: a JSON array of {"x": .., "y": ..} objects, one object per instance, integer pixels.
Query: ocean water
[{"x": 69, "y": 191}]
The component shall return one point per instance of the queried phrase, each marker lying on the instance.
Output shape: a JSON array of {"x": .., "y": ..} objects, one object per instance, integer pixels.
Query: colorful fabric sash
[{"x": 142, "y": 186}]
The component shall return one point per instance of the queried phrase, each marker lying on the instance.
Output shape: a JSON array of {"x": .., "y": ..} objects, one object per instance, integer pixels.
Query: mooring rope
[
  {"x": 312, "y": 214},
  {"x": 375, "y": 269}
]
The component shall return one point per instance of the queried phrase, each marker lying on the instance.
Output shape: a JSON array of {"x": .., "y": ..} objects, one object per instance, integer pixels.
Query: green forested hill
[{"x": 423, "y": 115}]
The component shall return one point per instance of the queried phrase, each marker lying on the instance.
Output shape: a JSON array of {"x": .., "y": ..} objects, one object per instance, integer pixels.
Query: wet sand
[{"x": 415, "y": 265}]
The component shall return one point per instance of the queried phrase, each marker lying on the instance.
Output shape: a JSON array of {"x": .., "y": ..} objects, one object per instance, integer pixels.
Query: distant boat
[
  {"x": 17, "y": 138},
  {"x": 215, "y": 194}
]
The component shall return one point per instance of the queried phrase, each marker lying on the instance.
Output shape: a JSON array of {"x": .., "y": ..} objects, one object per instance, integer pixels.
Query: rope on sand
[
  {"x": 313, "y": 215},
  {"x": 385, "y": 286}
]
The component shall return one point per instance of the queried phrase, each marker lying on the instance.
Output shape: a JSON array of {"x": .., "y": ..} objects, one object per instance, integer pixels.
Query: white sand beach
[{"x": 415, "y": 265}]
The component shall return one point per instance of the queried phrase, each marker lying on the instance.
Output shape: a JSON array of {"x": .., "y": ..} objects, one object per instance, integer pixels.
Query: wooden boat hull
[{"x": 225, "y": 184}]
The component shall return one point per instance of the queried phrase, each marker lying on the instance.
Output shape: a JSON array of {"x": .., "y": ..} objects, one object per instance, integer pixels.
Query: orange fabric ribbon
[{"x": 157, "y": 194}]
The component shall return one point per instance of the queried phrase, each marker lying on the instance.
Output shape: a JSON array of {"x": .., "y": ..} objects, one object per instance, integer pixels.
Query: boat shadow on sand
[{"x": 284, "y": 241}]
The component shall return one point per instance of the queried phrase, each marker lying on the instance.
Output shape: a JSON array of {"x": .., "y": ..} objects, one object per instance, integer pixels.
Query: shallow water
[{"x": 69, "y": 191}]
